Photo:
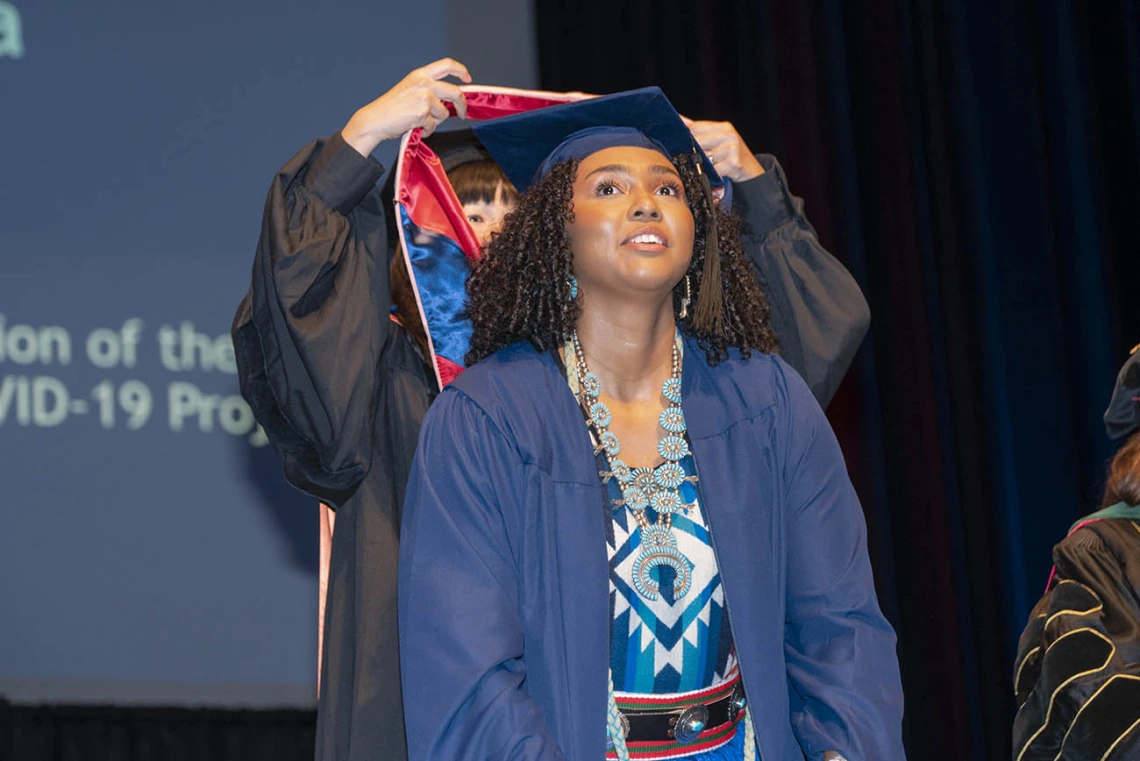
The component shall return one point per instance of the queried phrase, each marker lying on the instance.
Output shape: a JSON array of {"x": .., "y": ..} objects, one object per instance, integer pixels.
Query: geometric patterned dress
[{"x": 667, "y": 646}]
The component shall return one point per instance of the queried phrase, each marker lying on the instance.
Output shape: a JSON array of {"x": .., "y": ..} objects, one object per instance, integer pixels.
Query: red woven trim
[
  {"x": 710, "y": 739},
  {"x": 669, "y": 702}
]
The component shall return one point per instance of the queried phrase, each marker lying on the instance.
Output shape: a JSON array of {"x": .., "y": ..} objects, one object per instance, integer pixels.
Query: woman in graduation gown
[
  {"x": 624, "y": 426},
  {"x": 341, "y": 389},
  {"x": 1077, "y": 671}
]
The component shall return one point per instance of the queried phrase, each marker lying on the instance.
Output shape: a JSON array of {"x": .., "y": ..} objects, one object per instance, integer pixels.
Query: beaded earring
[
  {"x": 573, "y": 283},
  {"x": 687, "y": 299}
]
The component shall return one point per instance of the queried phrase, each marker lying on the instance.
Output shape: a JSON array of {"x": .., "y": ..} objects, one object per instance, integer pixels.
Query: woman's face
[
  {"x": 632, "y": 231},
  {"x": 486, "y": 218}
]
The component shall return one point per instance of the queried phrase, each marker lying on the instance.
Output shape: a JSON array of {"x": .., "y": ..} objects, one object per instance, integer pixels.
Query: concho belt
[{"x": 668, "y": 726}]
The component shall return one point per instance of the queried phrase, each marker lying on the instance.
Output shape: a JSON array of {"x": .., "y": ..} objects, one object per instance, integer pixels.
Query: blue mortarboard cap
[
  {"x": 1122, "y": 417},
  {"x": 522, "y": 143}
]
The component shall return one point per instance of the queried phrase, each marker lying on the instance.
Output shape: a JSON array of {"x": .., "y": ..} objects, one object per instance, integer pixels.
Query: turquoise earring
[{"x": 573, "y": 283}]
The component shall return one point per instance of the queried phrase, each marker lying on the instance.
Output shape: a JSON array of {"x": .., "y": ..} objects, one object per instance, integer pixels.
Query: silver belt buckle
[
  {"x": 690, "y": 723},
  {"x": 737, "y": 702}
]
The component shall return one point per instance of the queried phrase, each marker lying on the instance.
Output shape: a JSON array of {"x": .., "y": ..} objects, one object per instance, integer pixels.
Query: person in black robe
[
  {"x": 1077, "y": 672},
  {"x": 341, "y": 389}
]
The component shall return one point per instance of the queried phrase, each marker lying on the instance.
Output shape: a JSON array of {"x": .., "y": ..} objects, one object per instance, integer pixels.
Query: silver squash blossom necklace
[{"x": 657, "y": 487}]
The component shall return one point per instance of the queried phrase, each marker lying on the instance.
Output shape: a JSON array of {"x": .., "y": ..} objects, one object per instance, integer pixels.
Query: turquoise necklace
[{"x": 657, "y": 487}]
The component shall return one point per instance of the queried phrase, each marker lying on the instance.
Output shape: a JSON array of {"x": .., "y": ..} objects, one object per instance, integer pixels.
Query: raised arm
[
  {"x": 818, "y": 311},
  {"x": 311, "y": 333}
]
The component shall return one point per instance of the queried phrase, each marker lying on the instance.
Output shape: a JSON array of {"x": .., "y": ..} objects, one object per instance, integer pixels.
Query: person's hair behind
[
  {"x": 478, "y": 182},
  {"x": 404, "y": 298},
  {"x": 520, "y": 289},
  {"x": 1123, "y": 484}
]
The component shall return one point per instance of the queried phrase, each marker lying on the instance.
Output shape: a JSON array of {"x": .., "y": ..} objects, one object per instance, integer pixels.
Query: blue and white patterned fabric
[
  {"x": 663, "y": 646},
  {"x": 666, "y": 646}
]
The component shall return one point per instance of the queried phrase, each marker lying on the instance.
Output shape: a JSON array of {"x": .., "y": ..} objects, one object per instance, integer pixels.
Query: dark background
[{"x": 975, "y": 164}]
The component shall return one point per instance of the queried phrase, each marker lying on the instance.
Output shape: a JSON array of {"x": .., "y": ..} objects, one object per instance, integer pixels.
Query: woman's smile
[{"x": 650, "y": 240}]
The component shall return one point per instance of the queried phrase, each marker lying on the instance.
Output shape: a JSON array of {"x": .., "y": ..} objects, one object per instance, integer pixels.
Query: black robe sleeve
[
  {"x": 1077, "y": 671},
  {"x": 818, "y": 311},
  {"x": 311, "y": 333}
]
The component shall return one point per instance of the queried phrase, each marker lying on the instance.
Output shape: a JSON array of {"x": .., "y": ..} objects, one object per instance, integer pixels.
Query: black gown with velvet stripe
[{"x": 1077, "y": 672}]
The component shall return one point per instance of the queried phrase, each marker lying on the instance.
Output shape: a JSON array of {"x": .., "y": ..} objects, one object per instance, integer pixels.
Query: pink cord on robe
[{"x": 328, "y": 520}]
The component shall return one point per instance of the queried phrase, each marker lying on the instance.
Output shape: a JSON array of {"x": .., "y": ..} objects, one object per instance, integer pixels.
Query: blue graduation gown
[
  {"x": 503, "y": 596},
  {"x": 341, "y": 391}
]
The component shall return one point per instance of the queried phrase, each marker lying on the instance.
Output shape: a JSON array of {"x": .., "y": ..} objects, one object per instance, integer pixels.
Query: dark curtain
[
  {"x": 100, "y": 733},
  {"x": 977, "y": 166}
]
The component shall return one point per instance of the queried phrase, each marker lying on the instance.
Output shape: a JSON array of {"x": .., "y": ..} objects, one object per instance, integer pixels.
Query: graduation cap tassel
[{"x": 709, "y": 314}]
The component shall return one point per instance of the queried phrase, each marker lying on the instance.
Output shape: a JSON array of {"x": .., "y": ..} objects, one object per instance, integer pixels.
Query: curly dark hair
[{"x": 519, "y": 290}]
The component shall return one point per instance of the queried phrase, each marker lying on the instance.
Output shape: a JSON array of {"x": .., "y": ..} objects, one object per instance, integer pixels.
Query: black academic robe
[
  {"x": 341, "y": 391},
  {"x": 1077, "y": 672}
]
